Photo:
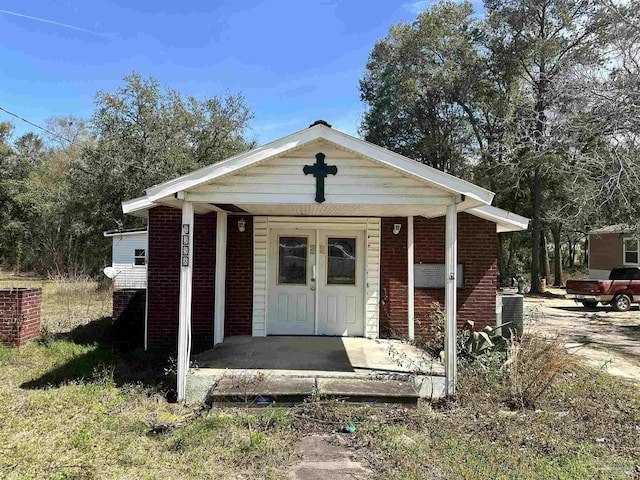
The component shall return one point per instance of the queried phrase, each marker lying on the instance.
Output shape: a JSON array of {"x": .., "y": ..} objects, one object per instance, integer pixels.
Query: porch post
[
  {"x": 451, "y": 265},
  {"x": 184, "y": 315},
  {"x": 410, "y": 279},
  {"x": 221, "y": 274}
]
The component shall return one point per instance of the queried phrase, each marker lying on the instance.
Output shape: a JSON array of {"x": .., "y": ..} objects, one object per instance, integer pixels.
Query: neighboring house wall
[
  {"x": 605, "y": 253},
  {"x": 477, "y": 252},
  {"x": 128, "y": 274}
]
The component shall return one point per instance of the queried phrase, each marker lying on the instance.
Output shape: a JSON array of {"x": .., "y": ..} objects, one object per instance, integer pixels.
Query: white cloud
[{"x": 418, "y": 6}]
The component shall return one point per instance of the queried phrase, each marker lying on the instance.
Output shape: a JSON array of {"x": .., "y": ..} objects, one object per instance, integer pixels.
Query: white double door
[{"x": 316, "y": 282}]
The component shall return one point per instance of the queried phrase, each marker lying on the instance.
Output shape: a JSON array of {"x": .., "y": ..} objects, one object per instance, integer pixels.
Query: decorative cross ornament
[{"x": 320, "y": 170}]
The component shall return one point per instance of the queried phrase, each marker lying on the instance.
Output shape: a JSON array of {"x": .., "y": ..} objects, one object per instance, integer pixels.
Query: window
[
  {"x": 630, "y": 251},
  {"x": 292, "y": 260},
  {"x": 341, "y": 261},
  {"x": 140, "y": 256}
]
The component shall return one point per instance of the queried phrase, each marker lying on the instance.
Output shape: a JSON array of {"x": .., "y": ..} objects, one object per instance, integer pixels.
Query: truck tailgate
[{"x": 584, "y": 287}]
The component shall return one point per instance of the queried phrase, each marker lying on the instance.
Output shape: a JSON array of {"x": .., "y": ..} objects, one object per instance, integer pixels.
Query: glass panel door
[
  {"x": 341, "y": 261},
  {"x": 292, "y": 260}
]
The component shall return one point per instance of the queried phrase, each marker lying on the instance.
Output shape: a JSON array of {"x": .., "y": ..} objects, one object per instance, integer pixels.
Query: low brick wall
[
  {"x": 128, "y": 317},
  {"x": 19, "y": 315}
]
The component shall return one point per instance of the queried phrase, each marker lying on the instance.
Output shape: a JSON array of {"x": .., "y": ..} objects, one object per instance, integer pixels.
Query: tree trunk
[
  {"x": 546, "y": 270},
  {"x": 501, "y": 263},
  {"x": 585, "y": 260},
  {"x": 556, "y": 231},
  {"x": 535, "y": 249},
  {"x": 572, "y": 252}
]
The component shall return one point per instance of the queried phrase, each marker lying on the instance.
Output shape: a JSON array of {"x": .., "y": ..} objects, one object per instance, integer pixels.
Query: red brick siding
[
  {"x": 393, "y": 279},
  {"x": 239, "y": 287},
  {"x": 163, "y": 282},
  {"x": 204, "y": 274},
  {"x": 477, "y": 251},
  {"x": 19, "y": 315},
  {"x": 164, "y": 278}
]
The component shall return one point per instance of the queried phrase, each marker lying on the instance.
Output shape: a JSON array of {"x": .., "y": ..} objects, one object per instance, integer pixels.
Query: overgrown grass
[
  {"x": 67, "y": 303},
  {"x": 73, "y": 408}
]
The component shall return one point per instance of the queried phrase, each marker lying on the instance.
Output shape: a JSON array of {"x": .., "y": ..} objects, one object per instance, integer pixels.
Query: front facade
[
  {"x": 318, "y": 233},
  {"x": 611, "y": 247}
]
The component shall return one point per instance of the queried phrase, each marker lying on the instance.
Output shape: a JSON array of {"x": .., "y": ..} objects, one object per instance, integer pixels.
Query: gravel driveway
[{"x": 604, "y": 338}]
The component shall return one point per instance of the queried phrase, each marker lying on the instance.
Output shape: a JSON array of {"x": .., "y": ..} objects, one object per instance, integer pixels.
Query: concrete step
[{"x": 264, "y": 390}]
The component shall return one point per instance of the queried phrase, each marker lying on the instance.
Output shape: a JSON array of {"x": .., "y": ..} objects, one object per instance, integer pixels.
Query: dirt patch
[{"x": 604, "y": 338}]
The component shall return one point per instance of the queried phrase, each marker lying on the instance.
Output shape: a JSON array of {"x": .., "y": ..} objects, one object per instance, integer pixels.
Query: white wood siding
[
  {"x": 281, "y": 181},
  {"x": 259, "y": 321},
  {"x": 129, "y": 275},
  {"x": 372, "y": 293},
  {"x": 260, "y": 262}
]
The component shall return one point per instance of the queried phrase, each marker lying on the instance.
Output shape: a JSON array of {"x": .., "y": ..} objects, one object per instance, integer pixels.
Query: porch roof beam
[{"x": 345, "y": 199}]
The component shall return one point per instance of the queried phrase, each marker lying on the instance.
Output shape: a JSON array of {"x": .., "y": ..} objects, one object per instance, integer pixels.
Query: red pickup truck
[{"x": 620, "y": 291}]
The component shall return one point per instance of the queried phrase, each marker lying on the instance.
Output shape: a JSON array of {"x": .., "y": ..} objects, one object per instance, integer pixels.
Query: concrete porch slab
[
  {"x": 331, "y": 355},
  {"x": 361, "y": 389},
  {"x": 291, "y": 368}
]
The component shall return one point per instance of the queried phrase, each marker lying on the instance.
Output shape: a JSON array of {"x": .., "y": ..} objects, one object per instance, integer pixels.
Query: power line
[
  {"x": 35, "y": 125},
  {"x": 68, "y": 140}
]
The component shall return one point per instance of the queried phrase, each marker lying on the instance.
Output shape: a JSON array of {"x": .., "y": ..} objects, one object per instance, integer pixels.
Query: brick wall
[
  {"x": 164, "y": 278},
  {"x": 128, "y": 317},
  {"x": 19, "y": 315},
  {"x": 477, "y": 251},
  {"x": 204, "y": 274},
  {"x": 239, "y": 287},
  {"x": 393, "y": 279}
]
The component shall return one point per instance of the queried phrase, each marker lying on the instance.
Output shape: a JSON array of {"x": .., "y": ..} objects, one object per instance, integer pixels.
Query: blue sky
[{"x": 294, "y": 61}]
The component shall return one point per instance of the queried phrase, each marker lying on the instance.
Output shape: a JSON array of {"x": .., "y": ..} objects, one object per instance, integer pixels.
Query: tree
[
  {"x": 420, "y": 102},
  {"x": 142, "y": 135},
  {"x": 549, "y": 39},
  {"x": 16, "y": 166}
]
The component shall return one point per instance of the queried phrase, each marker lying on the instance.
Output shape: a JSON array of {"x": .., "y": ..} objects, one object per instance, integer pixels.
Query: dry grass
[
  {"x": 74, "y": 409},
  {"x": 67, "y": 303},
  {"x": 532, "y": 365}
]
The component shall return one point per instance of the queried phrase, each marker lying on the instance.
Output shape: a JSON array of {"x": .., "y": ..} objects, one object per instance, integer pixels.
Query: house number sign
[{"x": 185, "y": 244}]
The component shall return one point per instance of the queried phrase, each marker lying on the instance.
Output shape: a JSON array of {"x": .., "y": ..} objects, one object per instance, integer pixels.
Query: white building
[{"x": 129, "y": 257}]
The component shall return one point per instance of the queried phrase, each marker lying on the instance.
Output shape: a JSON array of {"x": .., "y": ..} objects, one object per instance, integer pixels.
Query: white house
[{"x": 129, "y": 257}]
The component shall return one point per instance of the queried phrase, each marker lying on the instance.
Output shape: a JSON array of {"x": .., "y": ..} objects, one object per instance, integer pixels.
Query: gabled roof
[
  {"x": 619, "y": 228},
  {"x": 125, "y": 231},
  {"x": 475, "y": 200},
  {"x": 407, "y": 166},
  {"x": 505, "y": 221}
]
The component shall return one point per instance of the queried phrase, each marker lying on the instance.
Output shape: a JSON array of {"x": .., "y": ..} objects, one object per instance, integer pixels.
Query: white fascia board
[
  {"x": 137, "y": 205},
  {"x": 124, "y": 234},
  {"x": 505, "y": 221},
  {"x": 403, "y": 164}
]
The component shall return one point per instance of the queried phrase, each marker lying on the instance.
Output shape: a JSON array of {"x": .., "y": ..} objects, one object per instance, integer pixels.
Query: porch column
[
  {"x": 410, "y": 279},
  {"x": 221, "y": 274},
  {"x": 184, "y": 315},
  {"x": 451, "y": 266}
]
